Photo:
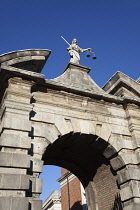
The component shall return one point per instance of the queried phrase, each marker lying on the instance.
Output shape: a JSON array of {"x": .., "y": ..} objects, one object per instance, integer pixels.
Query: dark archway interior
[{"x": 82, "y": 154}]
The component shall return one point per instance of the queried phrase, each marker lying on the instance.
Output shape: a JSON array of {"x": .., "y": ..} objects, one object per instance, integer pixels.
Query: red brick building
[
  {"x": 73, "y": 196},
  {"x": 72, "y": 192}
]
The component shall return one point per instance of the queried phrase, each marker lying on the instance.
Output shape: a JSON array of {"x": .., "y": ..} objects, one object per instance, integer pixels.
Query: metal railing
[{"x": 117, "y": 203}]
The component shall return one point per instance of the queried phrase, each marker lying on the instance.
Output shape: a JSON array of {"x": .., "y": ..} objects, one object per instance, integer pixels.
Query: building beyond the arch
[{"x": 70, "y": 122}]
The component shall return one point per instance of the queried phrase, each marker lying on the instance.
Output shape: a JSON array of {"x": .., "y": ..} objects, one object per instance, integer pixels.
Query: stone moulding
[{"x": 32, "y": 59}]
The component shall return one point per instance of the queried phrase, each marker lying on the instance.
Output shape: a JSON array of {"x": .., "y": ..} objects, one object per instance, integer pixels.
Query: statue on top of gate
[{"x": 74, "y": 51}]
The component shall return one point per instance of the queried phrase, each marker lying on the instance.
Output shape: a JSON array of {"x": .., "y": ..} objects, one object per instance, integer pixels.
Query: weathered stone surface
[
  {"x": 42, "y": 116},
  {"x": 138, "y": 156},
  {"x": 4, "y": 170},
  {"x": 76, "y": 75},
  {"x": 137, "y": 142},
  {"x": 61, "y": 125},
  {"x": 135, "y": 206},
  {"x": 36, "y": 205},
  {"x": 130, "y": 174},
  {"x": 84, "y": 126},
  {"x": 76, "y": 125},
  {"x": 124, "y": 159},
  {"x": 9, "y": 203},
  {"x": 129, "y": 158},
  {"x": 36, "y": 185},
  {"x": 121, "y": 80},
  {"x": 45, "y": 130},
  {"x": 16, "y": 123},
  {"x": 117, "y": 162},
  {"x": 130, "y": 190},
  {"x": 39, "y": 145},
  {"x": 36, "y": 165},
  {"x": 14, "y": 181},
  {"x": 12, "y": 193},
  {"x": 14, "y": 160},
  {"x": 37, "y": 114},
  {"x": 16, "y": 141},
  {"x": 120, "y": 142},
  {"x": 109, "y": 151},
  {"x": 24, "y": 59}
]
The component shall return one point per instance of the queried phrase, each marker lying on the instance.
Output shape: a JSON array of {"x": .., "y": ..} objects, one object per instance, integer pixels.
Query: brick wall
[
  {"x": 63, "y": 171},
  {"x": 106, "y": 187},
  {"x": 71, "y": 194},
  {"x": 105, "y": 190}
]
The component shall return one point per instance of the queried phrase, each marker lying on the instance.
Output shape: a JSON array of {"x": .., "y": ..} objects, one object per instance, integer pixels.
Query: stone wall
[{"x": 56, "y": 122}]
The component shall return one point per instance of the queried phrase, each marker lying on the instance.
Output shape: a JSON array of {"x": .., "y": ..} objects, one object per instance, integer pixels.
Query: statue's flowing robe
[{"x": 74, "y": 51}]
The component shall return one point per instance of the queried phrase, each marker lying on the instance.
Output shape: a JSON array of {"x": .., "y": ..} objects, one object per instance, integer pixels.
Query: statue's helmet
[{"x": 74, "y": 41}]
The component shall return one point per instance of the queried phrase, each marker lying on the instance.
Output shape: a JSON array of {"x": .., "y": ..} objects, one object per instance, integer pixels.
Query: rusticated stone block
[
  {"x": 138, "y": 156},
  {"x": 16, "y": 123},
  {"x": 61, "y": 125},
  {"x": 37, "y": 165},
  {"x": 14, "y": 160},
  {"x": 75, "y": 124},
  {"x": 49, "y": 131},
  {"x": 40, "y": 115},
  {"x": 84, "y": 126},
  {"x": 121, "y": 141},
  {"x": 130, "y": 190},
  {"x": 109, "y": 151},
  {"x": 129, "y": 158},
  {"x": 12, "y": 193},
  {"x": 5, "y": 170},
  {"x": 39, "y": 145},
  {"x": 123, "y": 159},
  {"x": 135, "y": 206},
  {"x": 13, "y": 203},
  {"x": 127, "y": 174},
  {"x": 14, "y": 181},
  {"x": 117, "y": 162},
  {"x": 16, "y": 141},
  {"x": 36, "y": 205},
  {"x": 36, "y": 185},
  {"x": 137, "y": 142},
  {"x": 126, "y": 192},
  {"x": 105, "y": 132}
]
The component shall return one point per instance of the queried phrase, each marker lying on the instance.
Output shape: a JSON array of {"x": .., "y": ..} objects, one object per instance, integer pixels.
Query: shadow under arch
[{"x": 82, "y": 154}]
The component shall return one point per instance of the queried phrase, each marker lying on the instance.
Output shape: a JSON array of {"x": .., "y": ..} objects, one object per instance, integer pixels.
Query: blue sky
[{"x": 111, "y": 28}]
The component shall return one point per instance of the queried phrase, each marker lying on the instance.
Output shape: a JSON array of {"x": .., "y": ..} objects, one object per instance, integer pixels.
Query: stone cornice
[
  {"x": 20, "y": 72},
  {"x": 66, "y": 178},
  {"x": 33, "y": 59},
  {"x": 85, "y": 86},
  {"x": 94, "y": 94}
]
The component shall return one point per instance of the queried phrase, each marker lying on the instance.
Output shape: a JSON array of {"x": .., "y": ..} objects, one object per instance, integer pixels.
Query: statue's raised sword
[{"x": 65, "y": 40}]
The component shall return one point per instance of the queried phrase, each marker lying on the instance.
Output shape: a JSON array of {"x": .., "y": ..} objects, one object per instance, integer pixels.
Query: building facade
[
  {"x": 72, "y": 192},
  {"x": 53, "y": 202},
  {"x": 70, "y": 122}
]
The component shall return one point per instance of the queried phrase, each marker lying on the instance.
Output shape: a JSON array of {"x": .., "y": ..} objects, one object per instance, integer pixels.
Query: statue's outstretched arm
[{"x": 83, "y": 50}]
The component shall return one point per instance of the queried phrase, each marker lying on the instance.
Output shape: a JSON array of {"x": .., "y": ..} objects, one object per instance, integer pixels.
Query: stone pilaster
[
  {"x": 15, "y": 143},
  {"x": 130, "y": 183}
]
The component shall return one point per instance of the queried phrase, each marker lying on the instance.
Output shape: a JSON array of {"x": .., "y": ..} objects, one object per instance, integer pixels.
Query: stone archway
[
  {"x": 36, "y": 112},
  {"x": 82, "y": 154}
]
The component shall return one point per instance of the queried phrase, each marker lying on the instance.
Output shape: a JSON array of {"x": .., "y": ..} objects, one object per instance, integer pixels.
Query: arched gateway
[{"x": 70, "y": 122}]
